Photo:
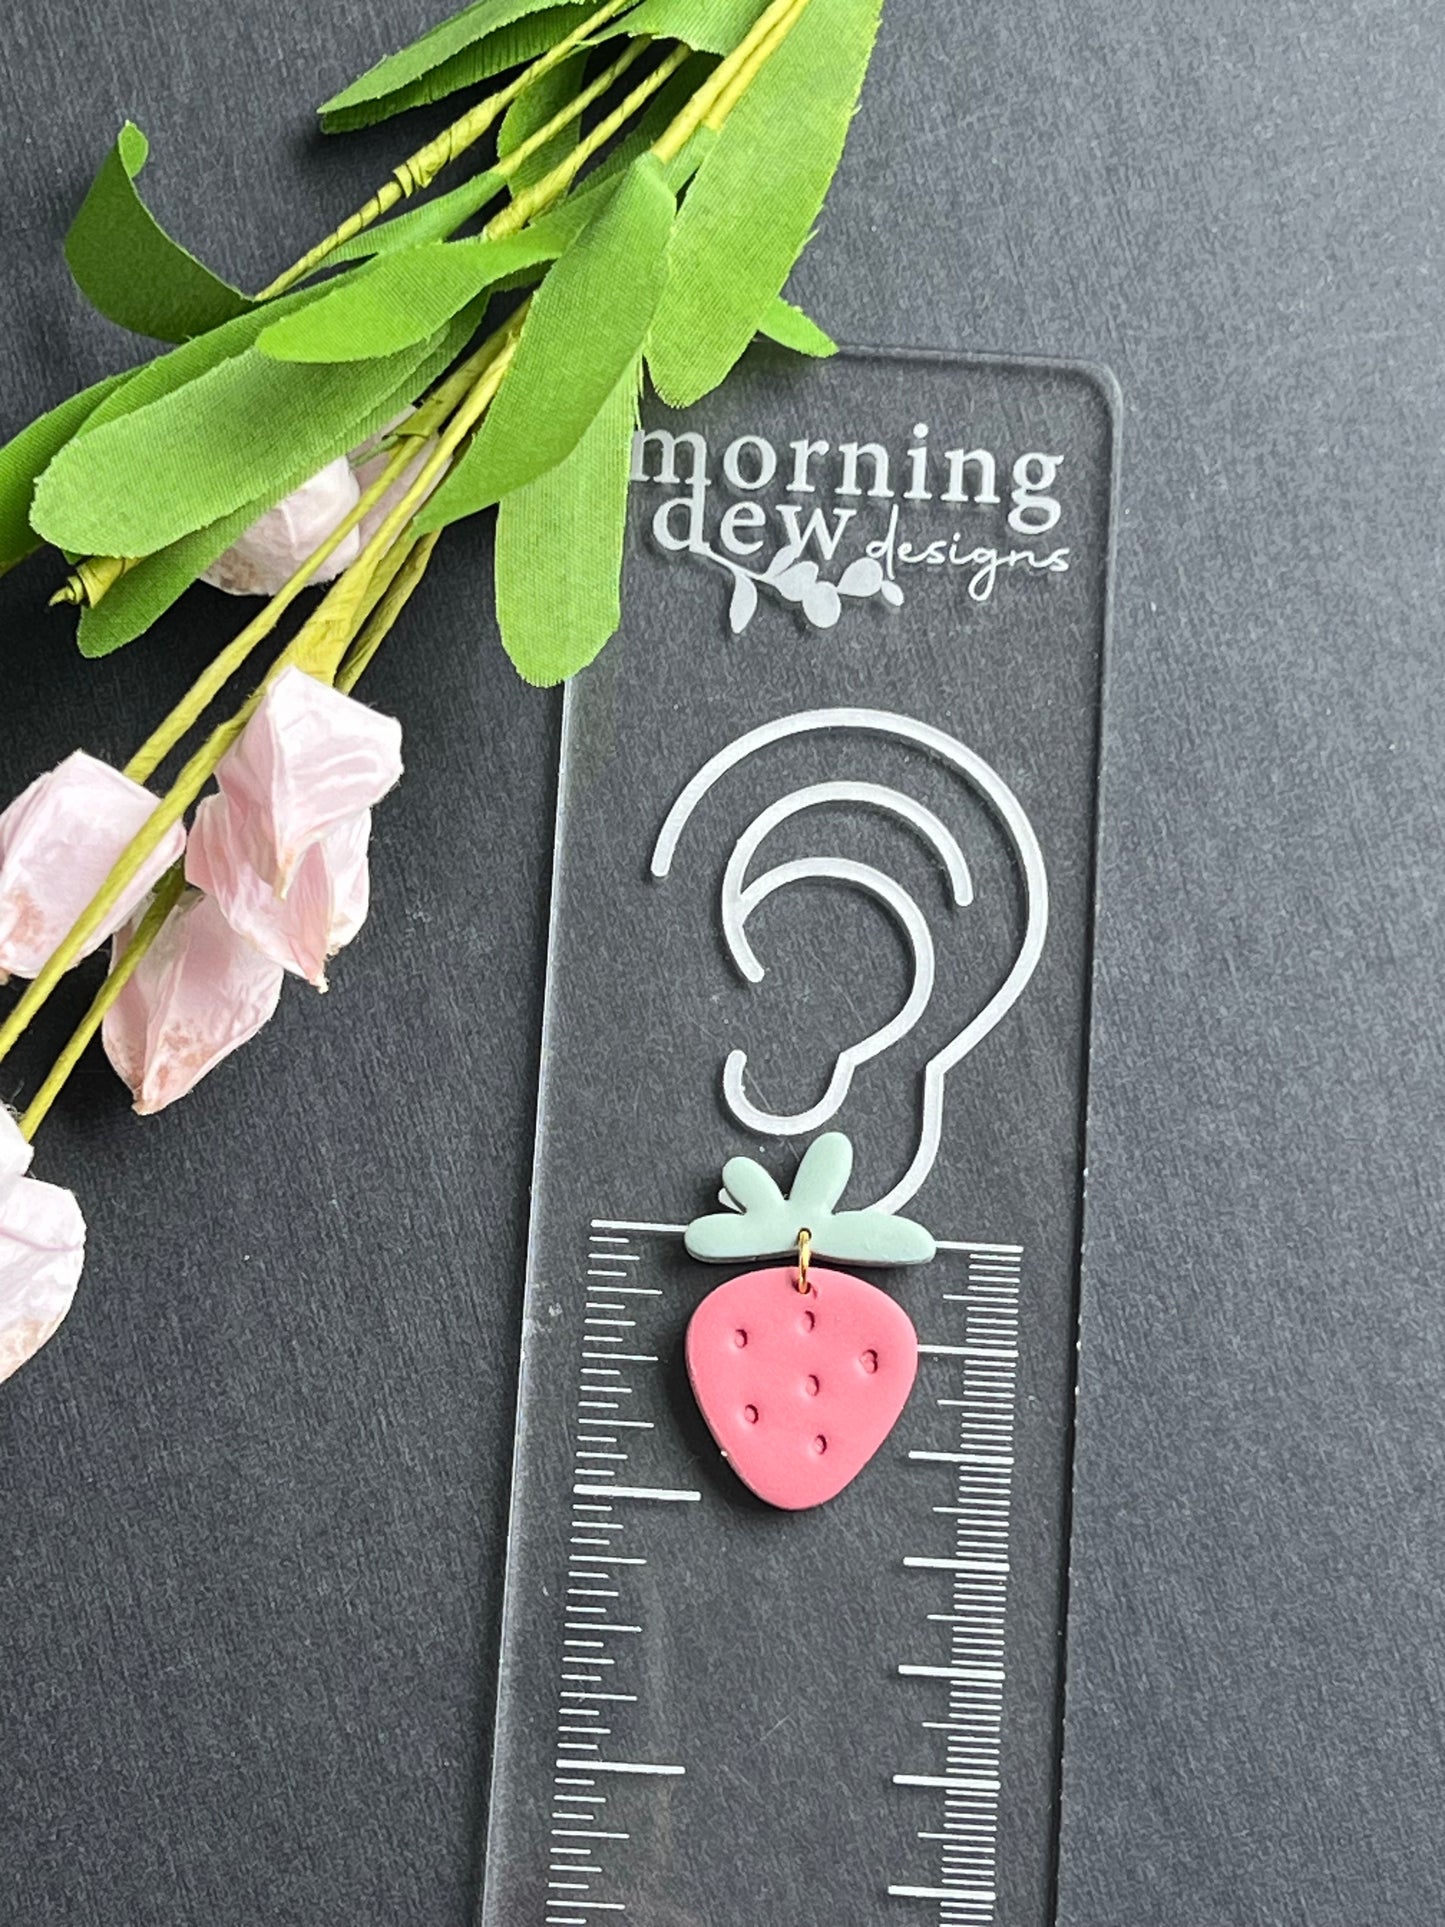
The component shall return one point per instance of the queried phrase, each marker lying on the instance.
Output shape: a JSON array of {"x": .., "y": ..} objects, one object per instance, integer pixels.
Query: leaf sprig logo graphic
[{"x": 796, "y": 578}]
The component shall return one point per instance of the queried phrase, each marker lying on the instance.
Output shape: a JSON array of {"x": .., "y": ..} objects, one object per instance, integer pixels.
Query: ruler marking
[
  {"x": 663, "y": 1493},
  {"x": 625, "y": 1224}
]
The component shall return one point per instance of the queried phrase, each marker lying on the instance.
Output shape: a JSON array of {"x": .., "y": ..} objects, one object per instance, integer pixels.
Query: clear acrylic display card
[{"x": 825, "y": 860}]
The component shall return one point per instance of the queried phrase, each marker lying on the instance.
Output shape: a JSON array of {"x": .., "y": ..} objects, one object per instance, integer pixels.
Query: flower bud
[
  {"x": 323, "y": 909},
  {"x": 59, "y": 840},
  {"x": 42, "y": 1254},
  {"x": 309, "y": 759},
  {"x": 264, "y": 559},
  {"x": 198, "y": 993},
  {"x": 15, "y": 1153}
]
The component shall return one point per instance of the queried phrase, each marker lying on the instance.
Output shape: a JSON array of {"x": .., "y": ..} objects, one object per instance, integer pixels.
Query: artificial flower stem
[
  {"x": 320, "y": 645},
  {"x": 738, "y": 84},
  {"x": 388, "y": 592},
  {"x": 212, "y": 680},
  {"x": 553, "y": 186},
  {"x": 91, "y": 579},
  {"x": 419, "y": 170},
  {"x": 317, "y": 658},
  {"x": 509, "y": 164},
  {"x": 208, "y": 685},
  {"x": 741, "y": 64},
  {"x": 167, "y": 895},
  {"x": 390, "y": 605}
]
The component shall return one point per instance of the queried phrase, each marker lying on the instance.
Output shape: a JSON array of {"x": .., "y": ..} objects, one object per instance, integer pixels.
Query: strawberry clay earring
[{"x": 800, "y": 1371}]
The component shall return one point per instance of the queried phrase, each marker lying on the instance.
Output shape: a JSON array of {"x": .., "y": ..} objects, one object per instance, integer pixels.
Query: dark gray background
[{"x": 253, "y": 1495}]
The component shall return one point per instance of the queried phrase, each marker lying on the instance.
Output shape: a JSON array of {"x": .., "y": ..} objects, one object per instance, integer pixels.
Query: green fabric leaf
[
  {"x": 128, "y": 267},
  {"x": 750, "y": 211},
  {"x": 227, "y": 438},
  {"x": 560, "y": 226},
  {"x": 531, "y": 111},
  {"x": 401, "y": 299},
  {"x": 23, "y": 459},
  {"x": 712, "y": 26},
  {"x": 559, "y": 548},
  {"x": 481, "y": 40},
  {"x": 173, "y": 370},
  {"x": 586, "y": 328},
  {"x": 434, "y": 220},
  {"x": 791, "y": 328},
  {"x": 144, "y": 595}
]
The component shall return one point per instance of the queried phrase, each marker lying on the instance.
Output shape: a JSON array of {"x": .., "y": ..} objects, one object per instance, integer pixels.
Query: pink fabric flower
[
  {"x": 42, "y": 1253},
  {"x": 200, "y": 992},
  {"x": 264, "y": 559},
  {"x": 16, "y": 1151},
  {"x": 309, "y": 759},
  {"x": 58, "y": 842},
  {"x": 323, "y": 909}
]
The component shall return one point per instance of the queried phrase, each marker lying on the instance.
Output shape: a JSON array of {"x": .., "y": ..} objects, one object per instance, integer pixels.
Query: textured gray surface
[{"x": 252, "y": 1499}]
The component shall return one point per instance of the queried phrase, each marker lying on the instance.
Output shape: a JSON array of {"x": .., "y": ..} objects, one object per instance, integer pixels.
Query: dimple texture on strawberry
[{"x": 800, "y": 1391}]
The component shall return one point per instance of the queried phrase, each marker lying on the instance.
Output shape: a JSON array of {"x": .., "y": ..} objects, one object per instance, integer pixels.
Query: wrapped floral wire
[{"x": 657, "y": 169}]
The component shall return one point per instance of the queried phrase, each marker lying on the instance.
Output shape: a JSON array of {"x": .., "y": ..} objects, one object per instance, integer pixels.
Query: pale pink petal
[
  {"x": 324, "y": 908},
  {"x": 200, "y": 992},
  {"x": 15, "y": 1154},
  {"x": 58, "y": 842},
  {"x": 264, "y": 559},
  {"x": 42, "y": 1254},
  {"x": 308, "y": 759},
  {"x": 370, "y": 471}
]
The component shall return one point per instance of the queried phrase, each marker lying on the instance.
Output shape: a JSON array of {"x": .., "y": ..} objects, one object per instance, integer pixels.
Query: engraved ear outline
[
  {"x": 849, "y": 1060},
  {"x": 986, "y": 782}
]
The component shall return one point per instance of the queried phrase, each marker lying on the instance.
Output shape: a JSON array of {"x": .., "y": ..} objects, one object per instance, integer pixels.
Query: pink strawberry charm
[
  {"x": 801, "y": 1372},
  {"x": 800, "y": 1391}
]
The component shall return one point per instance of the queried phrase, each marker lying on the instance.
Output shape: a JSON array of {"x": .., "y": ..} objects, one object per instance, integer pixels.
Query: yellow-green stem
[
  {"x": 329, "y": 622},
  {"x": 745, "y": 59},
  {"x": 738, "y": 84},
  {"x": 388, "y": 592},
  {"x": 553, "y": 186},
  {"x": 208, "y": 685},
  {"x": 509, "y": 164},
  {"x": 167, "y": 895},
  {"x": 388, "y": 608},
  {"x": 419, "y": 170}
]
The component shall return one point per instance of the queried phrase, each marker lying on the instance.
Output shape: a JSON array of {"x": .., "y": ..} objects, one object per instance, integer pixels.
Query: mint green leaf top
[
  {"x": 766, "y": 1224},
  {"x": 128, "y": 267},
  {"x": 751, "y": 209},
  {"x": 227, "y": 438},
  {"x": 24, "y": 458},
  {"x": 559, "y": 548},
  {"x": 791, "y": 328},
  {"x": 399, "y": 300},
  {"x": 712, "y": 26},
  {"x": 585, "y": 329},
  {"x": 480, "y": 41}
]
